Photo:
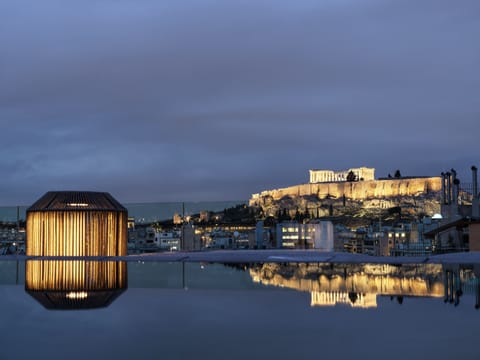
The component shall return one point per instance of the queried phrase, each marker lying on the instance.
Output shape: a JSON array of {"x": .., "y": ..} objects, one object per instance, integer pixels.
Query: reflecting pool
[
  {"x": 75, "y": 284},
  {"x": 180, "y": 310}
]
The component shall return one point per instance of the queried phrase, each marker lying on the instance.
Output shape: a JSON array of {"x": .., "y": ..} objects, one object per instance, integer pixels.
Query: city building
[
  {"x": 204, "y": 216},
  {"x": 362, "y": 173},
  {"x": 404, "y": 239},
  {"x": 190, "y": 240},
  {"x": 459, "y": 235},
  {"x": 168, "y": 240},
  {"x": 352, "y": 241},
  {"x": 313, "y": 235},
  {"x": 177, "y": 219},
  {"x": 262, "y": 236},
  {"x": 459, "y": 229}
]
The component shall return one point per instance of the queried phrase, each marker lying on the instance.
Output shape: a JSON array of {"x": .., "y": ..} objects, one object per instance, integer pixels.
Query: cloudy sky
[{"x": 214, "y": 100}]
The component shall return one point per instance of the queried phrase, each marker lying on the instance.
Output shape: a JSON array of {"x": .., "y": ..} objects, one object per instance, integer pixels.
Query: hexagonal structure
[
  {"x": 75, "y": 284},
  {"x": 76, "y": 223}
]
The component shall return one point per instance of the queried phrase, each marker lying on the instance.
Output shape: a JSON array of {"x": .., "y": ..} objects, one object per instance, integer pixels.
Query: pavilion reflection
[
  {"x": 75, "y": 284},
  {"x": 356, "y": 285}
]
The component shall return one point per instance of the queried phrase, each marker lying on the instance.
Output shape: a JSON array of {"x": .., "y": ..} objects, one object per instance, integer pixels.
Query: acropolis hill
[{"x": 358, "y": 192}]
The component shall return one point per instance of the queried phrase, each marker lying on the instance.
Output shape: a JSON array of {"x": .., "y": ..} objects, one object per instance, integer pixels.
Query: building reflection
[
  {"x": 356, "y": 285},
  {"x": 459, "y": 280},
  {"x": 75, "y": 284}
]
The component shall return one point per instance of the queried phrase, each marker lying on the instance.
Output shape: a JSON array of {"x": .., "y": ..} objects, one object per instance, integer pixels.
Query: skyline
[{"x": 199, "y": 100}]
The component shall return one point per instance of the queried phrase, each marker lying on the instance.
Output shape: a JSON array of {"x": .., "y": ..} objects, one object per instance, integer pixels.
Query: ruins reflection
[
  {"x": 75, "y": 284},
  {"x": 358, "y": 285}
]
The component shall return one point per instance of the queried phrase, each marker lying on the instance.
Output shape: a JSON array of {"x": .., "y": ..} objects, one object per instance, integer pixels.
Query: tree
[
  {"x": 397, "y": 174},
  {"x": 298, "y": 215},
  {"x": 269, "y": 221},
  {"x": 283, "y": 216},
  {"x": 351, "y": 176},
  {"x": 279, "y": 214}
]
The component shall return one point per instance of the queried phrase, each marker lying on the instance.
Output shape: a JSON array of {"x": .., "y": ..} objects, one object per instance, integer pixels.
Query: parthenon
[{"x": 361, "y": 173}]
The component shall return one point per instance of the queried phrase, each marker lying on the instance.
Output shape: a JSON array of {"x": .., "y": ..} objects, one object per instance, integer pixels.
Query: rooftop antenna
[{"x": 182, "y": 245}]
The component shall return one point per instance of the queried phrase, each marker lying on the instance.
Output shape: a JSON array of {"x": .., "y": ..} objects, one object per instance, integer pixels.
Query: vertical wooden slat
[{"x": 57, "y": 230}]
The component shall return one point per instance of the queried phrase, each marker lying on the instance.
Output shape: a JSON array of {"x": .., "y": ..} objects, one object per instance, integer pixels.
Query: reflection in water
[
  {"x": 356, "y": 285},
  {"x": 75, "y": 284},
  {"x": 326, "y": 298},
  {"x": 460, "y": 279}
]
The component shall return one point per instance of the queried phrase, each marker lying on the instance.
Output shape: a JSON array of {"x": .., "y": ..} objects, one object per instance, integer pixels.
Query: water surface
[{"x": 237, "y": 311}]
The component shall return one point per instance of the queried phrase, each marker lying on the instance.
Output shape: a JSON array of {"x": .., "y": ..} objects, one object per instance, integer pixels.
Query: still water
[{"x": 179, "y": 310}]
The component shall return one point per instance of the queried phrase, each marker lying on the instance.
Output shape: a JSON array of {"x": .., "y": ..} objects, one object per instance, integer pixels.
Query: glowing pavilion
[{"x": 74, "y": 223}]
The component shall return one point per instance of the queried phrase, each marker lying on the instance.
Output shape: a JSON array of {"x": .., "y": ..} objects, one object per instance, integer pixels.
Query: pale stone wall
[{"x": 358, "y": 190}]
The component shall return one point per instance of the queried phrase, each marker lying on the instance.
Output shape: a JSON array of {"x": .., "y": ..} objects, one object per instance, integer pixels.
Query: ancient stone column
[{"x": 475, "y": 209}]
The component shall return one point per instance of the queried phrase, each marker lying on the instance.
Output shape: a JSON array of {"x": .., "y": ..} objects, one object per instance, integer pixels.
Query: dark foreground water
[{"x": 238, "y": 311}]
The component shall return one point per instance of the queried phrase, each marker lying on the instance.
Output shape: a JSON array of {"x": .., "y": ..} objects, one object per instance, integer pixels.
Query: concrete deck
[{"x": 279, "y": 256}]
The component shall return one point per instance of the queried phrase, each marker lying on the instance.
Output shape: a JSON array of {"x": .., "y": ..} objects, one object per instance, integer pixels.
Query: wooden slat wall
[
  {"x": 75, "y": 275},
  {"x": 76, "y": 233}
]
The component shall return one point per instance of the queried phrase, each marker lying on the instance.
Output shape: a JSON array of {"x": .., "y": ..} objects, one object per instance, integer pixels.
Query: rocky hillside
[{"x": 352, "y": 212}]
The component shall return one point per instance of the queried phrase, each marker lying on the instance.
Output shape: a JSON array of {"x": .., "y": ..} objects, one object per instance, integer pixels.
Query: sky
[{"x": 215, "y": 100}]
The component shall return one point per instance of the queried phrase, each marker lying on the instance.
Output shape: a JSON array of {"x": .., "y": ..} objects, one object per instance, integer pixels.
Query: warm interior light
[
  {"x": 77, "y": 295},
  {"x": 86, "y": 224}
]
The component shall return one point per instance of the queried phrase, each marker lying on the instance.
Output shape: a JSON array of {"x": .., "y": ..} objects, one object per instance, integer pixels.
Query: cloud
[{"x": 210, "y": 98}]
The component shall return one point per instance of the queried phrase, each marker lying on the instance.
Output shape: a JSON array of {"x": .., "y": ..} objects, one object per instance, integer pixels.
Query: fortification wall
[{"x": 358, "y": 190}]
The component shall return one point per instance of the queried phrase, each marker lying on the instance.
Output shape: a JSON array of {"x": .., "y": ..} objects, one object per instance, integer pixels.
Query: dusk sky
[{"x": 215, "y": 100}]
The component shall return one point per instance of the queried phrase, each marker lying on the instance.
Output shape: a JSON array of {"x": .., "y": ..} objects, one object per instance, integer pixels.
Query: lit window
[{"x": 77, "y": 295}]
